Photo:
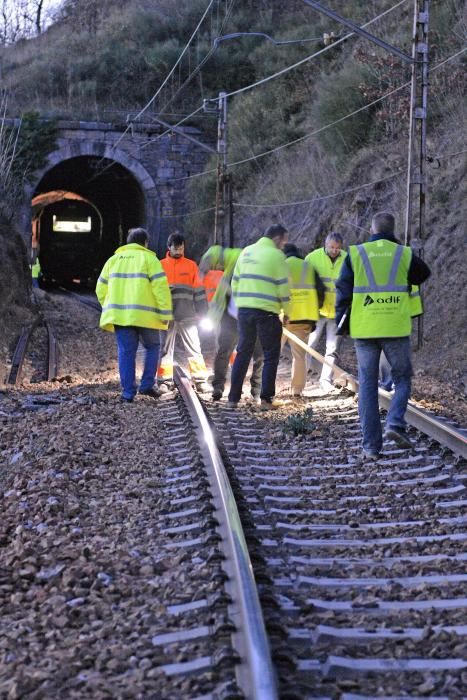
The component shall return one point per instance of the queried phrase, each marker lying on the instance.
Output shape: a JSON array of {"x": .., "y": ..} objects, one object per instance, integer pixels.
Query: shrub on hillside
[{"x": 336, "y": 96}]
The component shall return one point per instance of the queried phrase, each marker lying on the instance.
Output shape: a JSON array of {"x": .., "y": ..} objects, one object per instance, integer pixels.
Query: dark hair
[
  {"x": 276, "y": 231},
  {"x": 334, "y": 236},
  {"x": 137, "y": 235},
  {"x": 291, "y": 250},
  {"x": 175, "y": 239},
  {"x": 383, "y": 222}
]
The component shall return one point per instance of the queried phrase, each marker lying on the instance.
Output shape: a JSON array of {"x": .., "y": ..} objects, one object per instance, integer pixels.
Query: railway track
[
  {"x": 300, "y": 571},
  {"x": 43, "y": 333},
  {"x": 361, "y": 566}
]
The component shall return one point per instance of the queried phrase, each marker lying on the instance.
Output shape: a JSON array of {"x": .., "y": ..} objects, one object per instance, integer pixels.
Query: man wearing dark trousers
[
  {"x": 374, "y": 286},
  {"x": 260, "y": 290}
]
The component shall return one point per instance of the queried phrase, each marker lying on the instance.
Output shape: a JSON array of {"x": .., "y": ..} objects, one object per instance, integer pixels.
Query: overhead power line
[
  {"x": 154, "y": 97},
  {"x": 197, "y": 69},
  {"x": 294, "y": 203},
  {"x": 325, "y": 127},
  {"x": 320, "y": 197},
  {"x": 321, "y": 129},
  {"x": 308, "y": 58},
  {"x": 260, "y": 82},
  {"x": 164, "y": 82},
  {"x": 187, "y": 213},
  {"x": 235, "y": 35}
]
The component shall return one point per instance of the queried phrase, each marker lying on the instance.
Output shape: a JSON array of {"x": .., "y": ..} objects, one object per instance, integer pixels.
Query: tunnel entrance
[{"x": 82, "y": 210}]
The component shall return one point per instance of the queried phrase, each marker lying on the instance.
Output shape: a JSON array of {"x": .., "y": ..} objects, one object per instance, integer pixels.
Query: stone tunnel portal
[{"x": 82, "y": 210}]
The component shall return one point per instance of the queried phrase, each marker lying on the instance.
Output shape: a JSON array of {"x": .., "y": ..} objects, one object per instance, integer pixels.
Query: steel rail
[
  {"x": 430, "y": 425},
  {"x": 256, "y": 676},
  {"x": 22, "y": 346},
  {"x": 20, "y": 353},
  {"x": 53, "y": 353},
  {"x": 87, "y": 302},
  {"x": 447, "y": 435}
]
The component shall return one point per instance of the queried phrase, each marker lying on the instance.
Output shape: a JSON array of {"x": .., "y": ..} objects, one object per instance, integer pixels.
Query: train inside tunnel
[{"x": 82, "y": 209}]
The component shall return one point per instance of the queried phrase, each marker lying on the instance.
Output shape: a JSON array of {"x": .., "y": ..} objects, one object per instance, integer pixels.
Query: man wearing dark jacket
[{"x": 373, "y": 287}]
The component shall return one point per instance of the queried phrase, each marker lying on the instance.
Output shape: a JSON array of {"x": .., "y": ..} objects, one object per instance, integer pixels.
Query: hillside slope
[{"x": 290, "y": 139}]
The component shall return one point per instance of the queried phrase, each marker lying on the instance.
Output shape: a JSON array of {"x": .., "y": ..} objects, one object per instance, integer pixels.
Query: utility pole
[
  {"x": 416, "y": 175},
  {"x": 416, "y": 178},
  {"x": 223, "y": 226},
  {"x": 219, "y": 222},
  {"x": 223, "y": 218}
]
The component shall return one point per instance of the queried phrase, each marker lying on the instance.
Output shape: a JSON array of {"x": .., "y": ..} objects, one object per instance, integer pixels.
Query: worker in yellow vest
[
  {"x": 223, "y": 314},
  {"x": 136, "y": 304},
  {"x": 373, "y": 287},
  {"x": 260, "y": 290},
  {"x": 327, "y": 263},
  {"x": 36, "y": 273},
  {"x": 303, "y": 312}
]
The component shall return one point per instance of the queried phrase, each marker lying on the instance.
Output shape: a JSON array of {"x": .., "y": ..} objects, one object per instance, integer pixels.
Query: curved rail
[
  {"x": 22, "y": 346},
  {"x": 451, "y": 437},
  {"x": 256, "y": 676},
  {"x": 19, "y": 354}
]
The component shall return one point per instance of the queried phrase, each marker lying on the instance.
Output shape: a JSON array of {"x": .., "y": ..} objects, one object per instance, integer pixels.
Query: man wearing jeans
[
  {"x": 374, "y": 287},
  {"x": 260, "y": 290},
  {"x": 135, "y": 298}
]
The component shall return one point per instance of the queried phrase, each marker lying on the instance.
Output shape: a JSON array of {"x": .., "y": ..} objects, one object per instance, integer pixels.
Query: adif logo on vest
[{"x": 380, "y": 300}]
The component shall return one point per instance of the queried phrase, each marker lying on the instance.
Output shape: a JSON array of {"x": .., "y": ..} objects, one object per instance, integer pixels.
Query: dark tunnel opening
[{"x": 82, "y": 210}]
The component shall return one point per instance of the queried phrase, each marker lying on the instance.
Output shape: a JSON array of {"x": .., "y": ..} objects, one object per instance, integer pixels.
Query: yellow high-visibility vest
[
  {"x": 133, "y": 290},
  {"x": 303, "y": 295},
  {"x": 36, "y": 269},
  {"x": 415, "y": 301},
  {"x": 380, "y": 301},
  {"x": 260, "y": 279},
  {"x": 328, "y": 271}
]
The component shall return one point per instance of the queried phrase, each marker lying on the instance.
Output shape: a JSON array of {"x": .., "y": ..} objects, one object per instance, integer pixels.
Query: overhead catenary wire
[
  {"x": 174, "y": 67},
  {"x": 294, "y": 203},
  {"x": 321, "y": 129},
  {"x": 341, "y": 119},
  {"x": 288, "y": 68},
  {"x": 164, "y": 82},
  {"x": 442, "y": 156},
  {"x": 335, "y": 194},
  {"x": 187, "y": 213},
  {"x": 277, "y": 42},
  {"x": 320, "y": 197},
  {"x": 196, "y": 70},
  {"x": 308, "y": 58}
]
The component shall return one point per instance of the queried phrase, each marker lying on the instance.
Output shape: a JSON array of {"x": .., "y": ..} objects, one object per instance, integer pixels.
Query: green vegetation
[
  {"x": 100, "y": 58},
  {"x": 299, "y": 423},
  {"x": 23, "y": 149},
  {"x": 36, "y": 139}
]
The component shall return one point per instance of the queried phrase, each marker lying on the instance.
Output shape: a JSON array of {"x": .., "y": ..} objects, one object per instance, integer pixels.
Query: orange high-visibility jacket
[
  {"x": 188, "y": 295},
  {"x": 210, "y": 281}
]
